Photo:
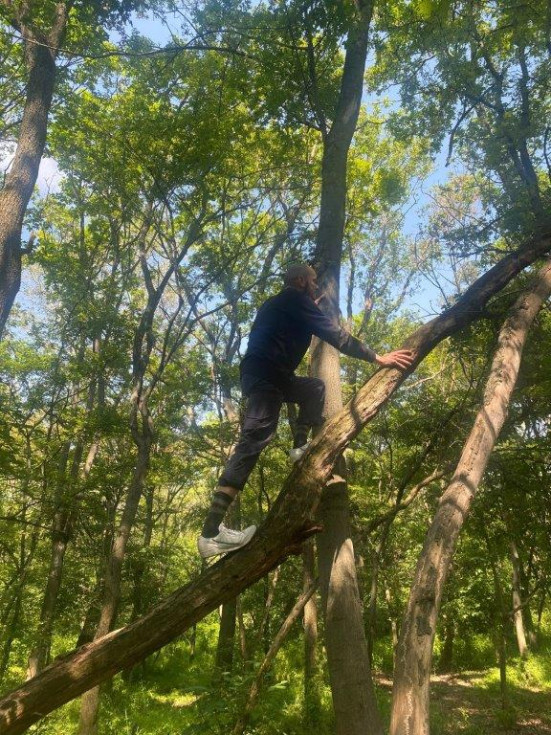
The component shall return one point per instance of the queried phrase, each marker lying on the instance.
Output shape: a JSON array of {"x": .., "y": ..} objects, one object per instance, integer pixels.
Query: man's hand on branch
[{"x": 397, "y": 358}]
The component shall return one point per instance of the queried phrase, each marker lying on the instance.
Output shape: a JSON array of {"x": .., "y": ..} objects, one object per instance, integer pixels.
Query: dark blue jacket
[{"x": 282, "y": 331}]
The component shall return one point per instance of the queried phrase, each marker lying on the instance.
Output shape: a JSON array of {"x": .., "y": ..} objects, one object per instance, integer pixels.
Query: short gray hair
[{"x": 297, "y": 270}]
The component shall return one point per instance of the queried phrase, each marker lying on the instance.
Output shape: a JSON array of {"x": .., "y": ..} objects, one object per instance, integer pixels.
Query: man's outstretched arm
[{"x": 332, "y": 333}]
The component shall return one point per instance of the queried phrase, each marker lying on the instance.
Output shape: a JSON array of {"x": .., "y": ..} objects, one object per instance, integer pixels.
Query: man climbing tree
[{"x": 279, "y": 339}]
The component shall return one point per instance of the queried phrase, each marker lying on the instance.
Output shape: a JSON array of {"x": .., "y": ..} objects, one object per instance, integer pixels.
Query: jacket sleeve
[{"x": 330, "y": 332}]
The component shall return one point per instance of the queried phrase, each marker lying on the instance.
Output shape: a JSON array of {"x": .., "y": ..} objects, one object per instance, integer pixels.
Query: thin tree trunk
[
  {"x": 140, "y": 565},
  {"x": 445, "y": 663},
  {"x": 541, "y": 607},
  {"x": 287, "y": 526},
  {"x": 142, "y": 434},
  {"x": 38, "y": 657},
  {"x": 393, "y": 626},
  {"x": 243, "y": 647},
  {"x": 268, "y": 659},
  {"x": 312, "y": 699},
  {"x": 374, "y": 587},
  {"x": 410, "y": 710},
  {"x": 62, "y": 532},
  {"x": 139, "y": 571},
  {"x": 500, "y": 631},
  {"x": 262, "y": 635},
  {"x": 26, "y": 554},
  {"x": 518, "y": 616},
  {"x": 228, "y": 618},
  {"x": 10, "y": 632},
  {"x": 112, "y": 591},
  {"x": 91, "y": 618}
]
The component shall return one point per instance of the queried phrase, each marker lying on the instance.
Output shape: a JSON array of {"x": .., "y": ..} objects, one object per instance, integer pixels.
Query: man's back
[{"x": 282, "y": 331}]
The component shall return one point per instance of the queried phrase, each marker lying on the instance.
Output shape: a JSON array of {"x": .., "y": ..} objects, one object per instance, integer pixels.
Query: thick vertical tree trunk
[
  {"x": 21, "y": 178},
  {"x": 226, "y": 637},
  {"x": 347, "y": 655},
  {"x": 410, "y": 710}
]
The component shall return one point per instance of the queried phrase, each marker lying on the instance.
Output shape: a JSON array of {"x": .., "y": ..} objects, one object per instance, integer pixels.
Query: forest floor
[{"x": 470, "y": 704}]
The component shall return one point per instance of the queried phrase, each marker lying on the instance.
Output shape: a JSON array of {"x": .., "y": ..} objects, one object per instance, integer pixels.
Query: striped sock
[
  {"x": 218, "y": 507},
  {"x": 301, "y": 435}
]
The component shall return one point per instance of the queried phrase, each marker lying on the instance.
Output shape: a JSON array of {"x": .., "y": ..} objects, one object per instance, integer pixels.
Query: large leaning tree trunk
[
  {"x": 40, "y": 58},
  {"x": 352, "y": 689},
  {"x": 286, "y": 527},
  {"x": 410, "y": 712}
]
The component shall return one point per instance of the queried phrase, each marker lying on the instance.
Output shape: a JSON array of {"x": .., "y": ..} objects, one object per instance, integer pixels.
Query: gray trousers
[{"x": 264, "y": 400}]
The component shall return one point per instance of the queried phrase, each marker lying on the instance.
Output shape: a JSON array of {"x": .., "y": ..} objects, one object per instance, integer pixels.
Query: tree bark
[
  {"x": 226, "y": 638},
  {"x": 347, "y": 654},
  {"x": 40, "y": 57},
  {"x": 518, "y": 616},
  {"x": 354, "y": 700},
  {"x": 285, "y": 529},
  {"x": 312, "y": 700},
  {"x": 393, "y": 626},
  {"x": 410, "y": 711}
]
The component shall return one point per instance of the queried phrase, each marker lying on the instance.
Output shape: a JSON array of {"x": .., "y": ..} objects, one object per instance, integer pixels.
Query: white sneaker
[
  {"x": 298, "y": 452},
  {"x": 226, "y": 540}
]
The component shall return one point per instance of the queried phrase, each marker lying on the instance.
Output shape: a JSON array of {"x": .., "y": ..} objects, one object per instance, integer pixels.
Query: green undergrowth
[{"x": 175, "y": 693}]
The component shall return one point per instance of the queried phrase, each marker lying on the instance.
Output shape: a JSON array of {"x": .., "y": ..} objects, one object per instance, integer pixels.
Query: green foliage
[{"x": 194, "y": 175}]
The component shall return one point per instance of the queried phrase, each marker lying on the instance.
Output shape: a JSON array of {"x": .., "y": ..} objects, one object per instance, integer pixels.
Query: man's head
[{"x": 303, "y": 277}]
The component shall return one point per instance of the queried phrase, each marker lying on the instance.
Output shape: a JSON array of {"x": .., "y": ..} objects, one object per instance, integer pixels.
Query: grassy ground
[
  {"x": 175, "y": 695},
  {"x": 470, "y": 704}
]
